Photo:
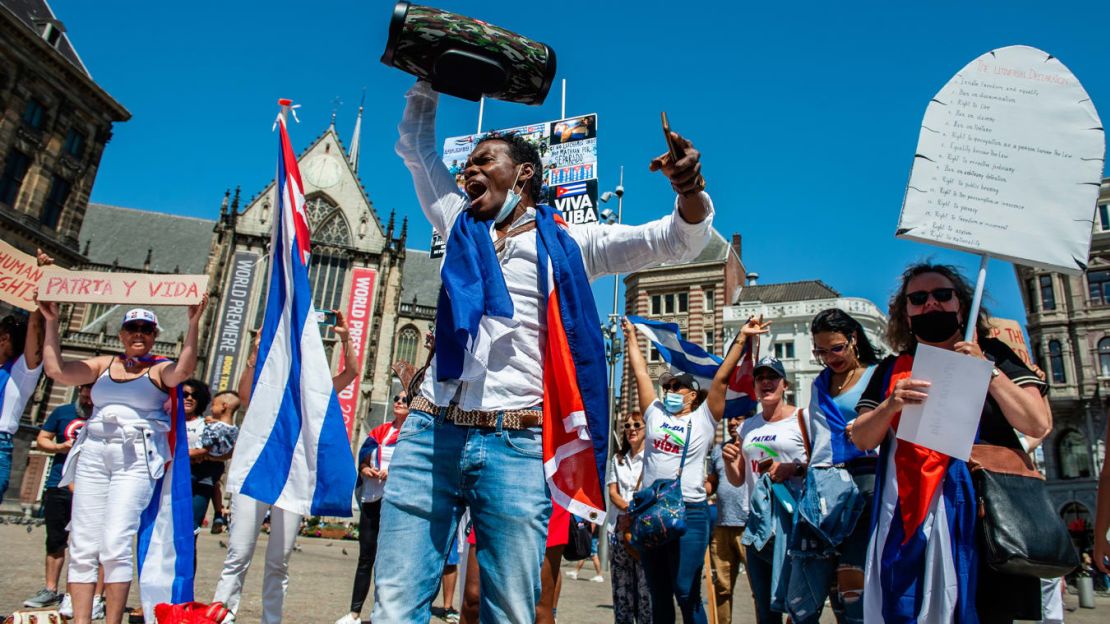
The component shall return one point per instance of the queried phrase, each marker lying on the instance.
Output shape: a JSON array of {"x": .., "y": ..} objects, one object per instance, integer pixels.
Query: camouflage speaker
[{"x": 468, "y": 58}]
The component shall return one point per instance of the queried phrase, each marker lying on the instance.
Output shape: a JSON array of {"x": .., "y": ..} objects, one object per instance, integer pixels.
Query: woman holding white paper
[{"x": 923, "y": 561}]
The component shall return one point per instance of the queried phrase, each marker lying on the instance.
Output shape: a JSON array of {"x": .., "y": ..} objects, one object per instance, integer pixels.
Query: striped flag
[
  {"x": 166, "y": 548},
  {"x": 740, "y": 401},
  {"x": 293, "y": 450},
  {"x": 683, "y": 356}
]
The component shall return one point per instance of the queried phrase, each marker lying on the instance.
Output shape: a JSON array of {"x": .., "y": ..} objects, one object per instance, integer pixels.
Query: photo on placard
[{"x": 573, "y": 129}]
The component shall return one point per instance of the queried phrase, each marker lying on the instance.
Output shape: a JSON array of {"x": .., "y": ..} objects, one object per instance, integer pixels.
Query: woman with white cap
[{"x": 120, "y": 453}]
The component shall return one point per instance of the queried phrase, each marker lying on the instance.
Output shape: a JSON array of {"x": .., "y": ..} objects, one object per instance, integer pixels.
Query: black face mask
[{"x": 934, "y": 327}]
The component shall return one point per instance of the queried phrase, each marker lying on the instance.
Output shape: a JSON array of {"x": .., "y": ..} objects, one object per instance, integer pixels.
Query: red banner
[{"x": 360, "y": 307}]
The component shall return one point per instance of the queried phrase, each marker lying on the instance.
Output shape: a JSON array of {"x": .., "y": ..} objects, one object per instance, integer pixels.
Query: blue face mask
[
  {"x": 673, "y": 402},
  {"x": 512, "y": 198}
]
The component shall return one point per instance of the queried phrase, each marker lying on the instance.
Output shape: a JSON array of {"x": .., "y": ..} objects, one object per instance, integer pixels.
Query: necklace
[{"x": 850, "y": 377}]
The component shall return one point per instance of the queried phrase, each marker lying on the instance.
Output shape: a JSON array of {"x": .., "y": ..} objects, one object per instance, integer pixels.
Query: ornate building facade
[
  {"x": 792, "y": 306},
  {"x": 54, "y": 123},
  {"x": 1069, "y": 329}
]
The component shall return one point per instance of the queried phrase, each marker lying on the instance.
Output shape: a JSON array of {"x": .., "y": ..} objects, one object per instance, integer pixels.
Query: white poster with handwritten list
[
  {"x": 1008, "y": 163},
  {"x": 948, "y": 420}
]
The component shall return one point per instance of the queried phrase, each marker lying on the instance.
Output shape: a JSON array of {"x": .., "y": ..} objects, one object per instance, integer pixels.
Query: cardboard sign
[
  {"x": 1009, "y": 332},
  {"x": 1008, "y": 163},
  {"x": 19, "y": 273},
  {"x": 130, "y": 288}
]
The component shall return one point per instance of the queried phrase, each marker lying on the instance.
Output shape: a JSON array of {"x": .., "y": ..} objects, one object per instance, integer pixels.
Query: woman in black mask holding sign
[{"x": 924, "y": 561}]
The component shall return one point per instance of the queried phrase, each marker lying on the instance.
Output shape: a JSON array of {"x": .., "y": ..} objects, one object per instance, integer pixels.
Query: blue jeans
[
  {"x": 674, "y": 570},
  {"x": 438, "y": 469},
  {"x": 819, "y": 569},
  {"x": 760, "y": 566},
  {"x": 6, "y": 448}
]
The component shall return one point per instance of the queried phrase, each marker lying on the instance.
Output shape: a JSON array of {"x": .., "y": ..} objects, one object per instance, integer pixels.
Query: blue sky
[{"x": 807, "y": 114}]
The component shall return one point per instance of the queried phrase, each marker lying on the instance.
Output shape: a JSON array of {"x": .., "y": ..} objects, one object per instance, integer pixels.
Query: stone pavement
[{"x": 320, "y": 583}]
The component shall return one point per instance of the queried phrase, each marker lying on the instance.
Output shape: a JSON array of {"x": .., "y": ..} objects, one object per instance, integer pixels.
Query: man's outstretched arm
[{"x": 436, "y": 190}]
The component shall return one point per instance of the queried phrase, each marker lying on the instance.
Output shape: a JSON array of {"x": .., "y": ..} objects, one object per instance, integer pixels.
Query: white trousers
[
  {"x": 246, "y": 523},
  {"x": 112, "y": 486}
]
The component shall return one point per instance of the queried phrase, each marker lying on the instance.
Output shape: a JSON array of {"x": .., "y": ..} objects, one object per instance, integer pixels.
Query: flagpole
[{"x": 977, "y": 299}]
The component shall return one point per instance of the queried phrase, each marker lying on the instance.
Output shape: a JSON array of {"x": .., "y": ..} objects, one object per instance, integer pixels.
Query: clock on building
[{"x": 322, "y": 171}]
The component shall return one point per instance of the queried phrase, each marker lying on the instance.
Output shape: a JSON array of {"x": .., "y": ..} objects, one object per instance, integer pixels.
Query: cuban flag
[
  {"x": 740, "y": 401},
  {"x": 166, "y": 548},
  {"x": 293, "y": 450},
  {"x": 922, "y": 564},
  {"x": 571, "y": 190},
  {"x": 683, "y": 356},
  {"x": 575, "y": 392}
]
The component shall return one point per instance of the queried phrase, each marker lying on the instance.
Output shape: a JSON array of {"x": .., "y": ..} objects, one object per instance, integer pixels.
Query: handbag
[
  {"x": 1020, "y": 532},
  {"x": 579, "y": 542},
  {"x": 659, "y": 512}
]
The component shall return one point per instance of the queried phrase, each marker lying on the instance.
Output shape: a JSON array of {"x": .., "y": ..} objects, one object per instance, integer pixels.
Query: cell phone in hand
[
  {"x": 765, "y": 465},
  {"x": 672, "y": 147},
  {"x": 325, "y": 317}
]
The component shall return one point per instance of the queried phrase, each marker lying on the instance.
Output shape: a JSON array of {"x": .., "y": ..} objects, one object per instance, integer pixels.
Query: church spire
[{"x": 352, "y": 156}]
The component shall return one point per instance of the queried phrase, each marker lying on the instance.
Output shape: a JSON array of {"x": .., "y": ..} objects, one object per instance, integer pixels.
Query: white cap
[{"x": 139, "y": 314}]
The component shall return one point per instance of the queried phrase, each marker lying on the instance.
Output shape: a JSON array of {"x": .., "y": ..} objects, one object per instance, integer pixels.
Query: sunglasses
[
  {"x": 674, "y": 386},
  {"x": 145, "y": 329},
  {"x": 188, "y": 395},
  {"x": 835, "y": 350},
  {"x": 633, "y": 426},
  {"x": 401, "y": 399},
  {"x": 941, "y": 295}
]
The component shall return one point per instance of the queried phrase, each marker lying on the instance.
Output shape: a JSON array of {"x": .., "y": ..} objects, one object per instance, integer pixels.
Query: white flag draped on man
[{"x": 293, "y": 450}]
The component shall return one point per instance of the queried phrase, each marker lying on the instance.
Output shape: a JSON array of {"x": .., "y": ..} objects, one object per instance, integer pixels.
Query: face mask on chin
[
  {"x": 512, "y": 198},
  {"x": 934, "y": 327}
]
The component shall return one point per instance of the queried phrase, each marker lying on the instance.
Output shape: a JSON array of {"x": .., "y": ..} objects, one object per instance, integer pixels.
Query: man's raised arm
[{"x": 435, "y": 187}]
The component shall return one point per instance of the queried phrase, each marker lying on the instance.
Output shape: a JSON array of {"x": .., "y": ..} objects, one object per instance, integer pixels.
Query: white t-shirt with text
[
  {"x": 780, "y": 441},
  {"x": 666, "y": 437}
]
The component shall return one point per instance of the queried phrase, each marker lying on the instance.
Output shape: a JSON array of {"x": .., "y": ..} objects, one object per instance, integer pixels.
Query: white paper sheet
[{"x": 949, "y": 419}]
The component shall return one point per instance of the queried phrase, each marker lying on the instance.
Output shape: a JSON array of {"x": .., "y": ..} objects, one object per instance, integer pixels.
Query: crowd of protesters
[{"x": 813, "y": 504}]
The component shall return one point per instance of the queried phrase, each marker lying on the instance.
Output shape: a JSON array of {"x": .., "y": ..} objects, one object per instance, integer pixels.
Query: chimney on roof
[
  {"x": 753, "y": 279},
  {"x": 146, "y": 263},
  {"x": 736, "y": 245}
]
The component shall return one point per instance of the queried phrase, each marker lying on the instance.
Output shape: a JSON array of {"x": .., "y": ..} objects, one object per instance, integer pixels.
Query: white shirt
[
  {"x": 665, "y": 439},
  {"x": 514, "y": 377},
  {"x": 780, "y": 441},
  {"x": 194, "y": 429},
  {"x": 625, "y": 473},
  {"x": 373, "y": 489},
  {"x": 20, "y": 387}
]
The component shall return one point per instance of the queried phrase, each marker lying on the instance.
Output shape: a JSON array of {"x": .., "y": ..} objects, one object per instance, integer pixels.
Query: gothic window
[
  {"x": 334, "y": 232},
  {"x": 1074, "y": 455},
  {"x": 1056, "y": 362},
  {"x": 317, "y": 208},
  {"x": 326, "y": 274},
  {"x": 326, "y": 220},
  {"x": 407, "y": 341}
]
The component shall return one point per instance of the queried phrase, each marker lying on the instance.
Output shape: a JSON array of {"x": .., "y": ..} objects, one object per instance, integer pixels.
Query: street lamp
[{"x": 613, "y": 343}]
